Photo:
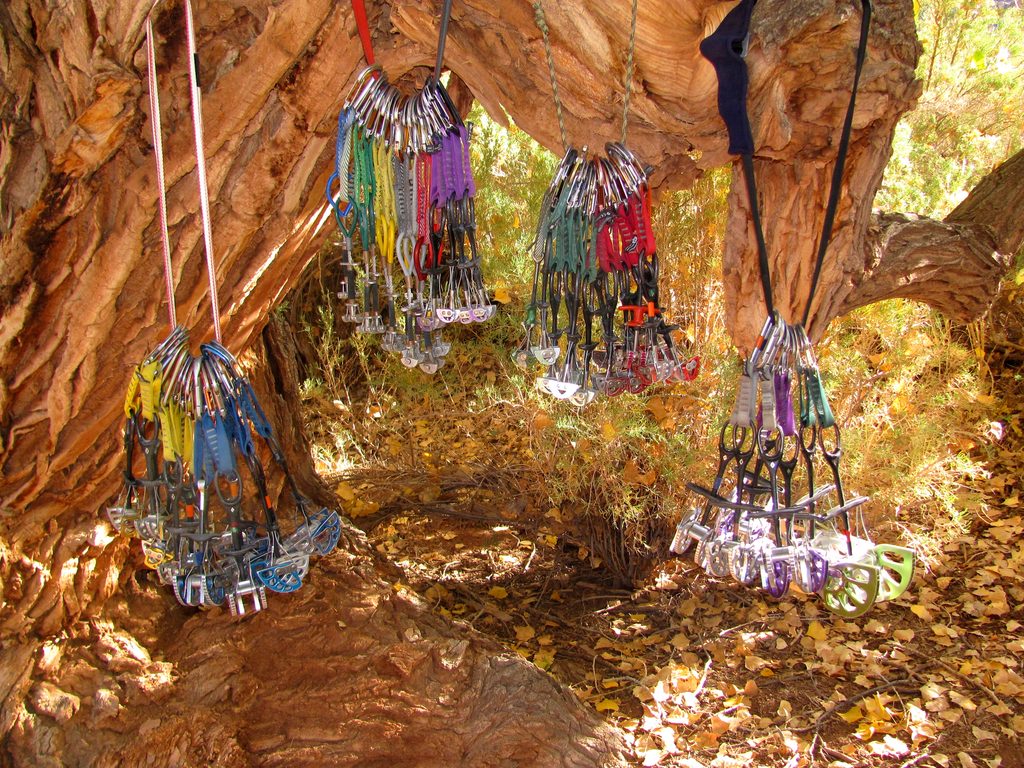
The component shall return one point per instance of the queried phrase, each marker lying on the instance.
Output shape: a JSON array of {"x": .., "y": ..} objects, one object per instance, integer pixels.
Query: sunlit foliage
[
  {"x": 911, "y": 392},
  {"x": 969, "y": 117}
]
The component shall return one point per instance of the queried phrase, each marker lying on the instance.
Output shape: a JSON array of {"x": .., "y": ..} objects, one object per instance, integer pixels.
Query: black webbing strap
[
  {"x": 844, "y": 146},
  {"x": 726, "y": 49},
  {"x": 442, "y": 36},
  {"x": 762, "y": 249}
]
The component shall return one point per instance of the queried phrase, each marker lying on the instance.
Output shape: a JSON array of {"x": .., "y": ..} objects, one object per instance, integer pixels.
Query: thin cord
[
  {"x": 542, "y": 25},
  {"x": 204, "y": 194},
  {"x": 629, "y": 73},
  {"x": 446, "y": 12},
  {"x": 158, "y": 152}
]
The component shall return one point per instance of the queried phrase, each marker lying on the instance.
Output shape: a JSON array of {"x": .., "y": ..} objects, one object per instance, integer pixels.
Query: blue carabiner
[{"x": 339, "y": 214}]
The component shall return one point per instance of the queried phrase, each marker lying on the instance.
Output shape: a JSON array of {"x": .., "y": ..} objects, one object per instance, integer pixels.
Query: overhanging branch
[
  {"x": 955, "y": 268},
  {"x": 953, "y": 265},
  {"x": 997, "y": 202}
]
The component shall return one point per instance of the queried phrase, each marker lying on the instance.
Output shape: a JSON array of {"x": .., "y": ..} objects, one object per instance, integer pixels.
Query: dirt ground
[
  {"x": 702, "y": 672},
  {"x": 695, "y": 669}
]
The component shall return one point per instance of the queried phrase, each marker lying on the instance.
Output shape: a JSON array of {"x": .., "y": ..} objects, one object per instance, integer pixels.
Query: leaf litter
[{"x": 698, "y": 673}]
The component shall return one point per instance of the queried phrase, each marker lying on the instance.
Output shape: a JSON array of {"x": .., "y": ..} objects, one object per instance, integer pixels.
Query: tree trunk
[
  {"x": 80, "y": 285},
  {"x": 276, "y": 382},
  {"x": 348, "y": 671}
]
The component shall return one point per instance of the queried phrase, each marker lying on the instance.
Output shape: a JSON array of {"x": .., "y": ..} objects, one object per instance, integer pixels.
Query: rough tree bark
[
  {"x": 951, "y": 264},
  {"x": 349, "y": 672},
  {"x": 80, "y": 288}
]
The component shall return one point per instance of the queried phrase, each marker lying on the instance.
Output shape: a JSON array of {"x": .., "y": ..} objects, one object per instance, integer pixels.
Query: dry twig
[
  {"x": 845, "y": 704},
  {"x": 940, "y": 663}
]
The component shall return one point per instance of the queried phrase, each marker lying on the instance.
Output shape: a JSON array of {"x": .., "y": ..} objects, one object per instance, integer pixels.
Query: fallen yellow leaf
[
  {"x": 852, "y": 715},
  {"x": 921, "y": 612},
  {"x": 653, "y": 756},
  {"x": 525, "y": 633},
  {"x": 889, "y": 746},
  {"x": 982, "y": 735},
  {"x": 498, "y": 593},
  {"x": 657, "y": 408},
  {"x": 817, "y": 631},
  {"x": 542, "y": 421},
  {"x": 633, "y": 476},
  {"x": 607, "y": 705}
]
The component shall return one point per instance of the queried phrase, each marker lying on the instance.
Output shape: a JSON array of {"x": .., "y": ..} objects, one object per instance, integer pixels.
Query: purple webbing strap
[{"x": 784, "y": 404}]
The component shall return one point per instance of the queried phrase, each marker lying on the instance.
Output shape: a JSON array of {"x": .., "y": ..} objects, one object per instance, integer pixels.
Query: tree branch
[
  {"x": 953, "y": 265},
  {"x": 996, "y": 203},
  {"x": 955, "y": 268}
]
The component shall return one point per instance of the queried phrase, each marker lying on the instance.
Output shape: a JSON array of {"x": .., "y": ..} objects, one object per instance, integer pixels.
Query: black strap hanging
[
  {"x": 753, "y": 522},
  {"x": 726, "y": 49},
  {"x": 442, "y": 36},
  {"x": 844, "y": 146}
]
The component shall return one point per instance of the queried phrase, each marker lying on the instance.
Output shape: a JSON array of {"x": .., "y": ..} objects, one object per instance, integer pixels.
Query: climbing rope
[
  {"x": 402, "y": 168},
  {"x": 594, "y": 318},
  {"x": 542, "y": 25},
  {"x": 767, "y": 518},
  {"x": 195, "y": 422},
  {"x": 629, "y": 73},
  {"x": 158, "y": 154}
]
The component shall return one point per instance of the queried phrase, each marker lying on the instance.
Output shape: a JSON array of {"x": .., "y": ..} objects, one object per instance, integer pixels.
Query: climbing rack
[
  {"x": 777, "y": 513},
  {"x": 594, "y": 319},
  {"x": 402, "y": 178},
  {"x": 198, "y": 499}
]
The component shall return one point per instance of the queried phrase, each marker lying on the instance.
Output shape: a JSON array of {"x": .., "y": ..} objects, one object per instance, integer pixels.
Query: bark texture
[
  {"x": 348, "y": 671},
  {"x": 799, "y": 99},
  {"x": 81, "y": 291},
  {"x": 276, "y": 380},
  {"x": 81, "y": 287},
  {"x": 954, "y": 264}
]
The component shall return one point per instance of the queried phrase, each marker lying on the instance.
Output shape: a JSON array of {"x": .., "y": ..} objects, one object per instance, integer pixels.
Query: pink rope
[
  {"x": 158, "y": 152},
  {"x": 204, "y": 195}
]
